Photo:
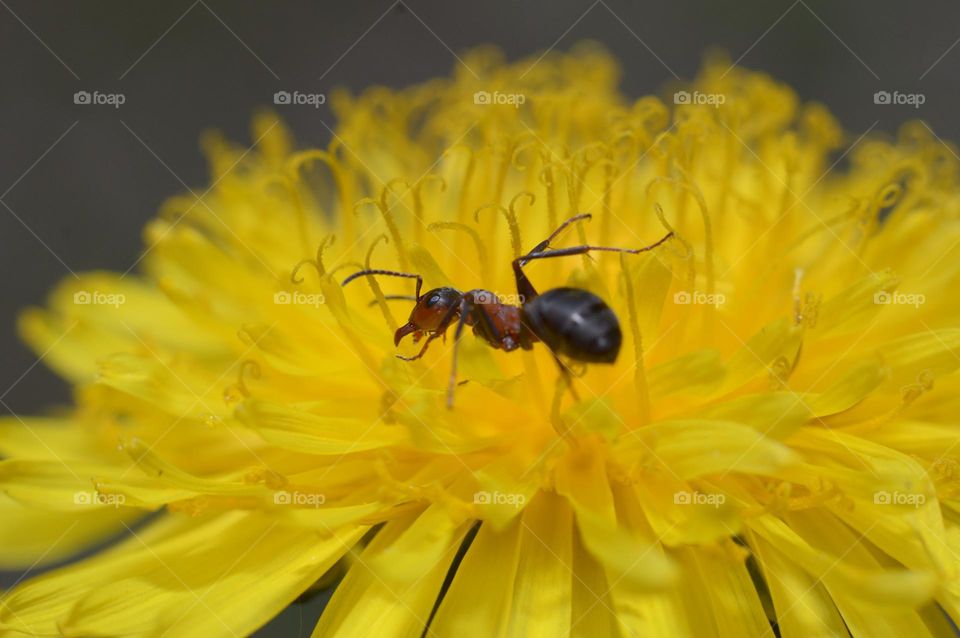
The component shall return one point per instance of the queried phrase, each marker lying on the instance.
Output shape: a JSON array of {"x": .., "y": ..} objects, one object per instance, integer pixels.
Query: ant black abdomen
[{"x": 575, "y": 323}]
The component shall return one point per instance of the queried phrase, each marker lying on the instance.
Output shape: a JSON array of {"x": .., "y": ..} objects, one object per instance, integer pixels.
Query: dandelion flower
[{"x": 773, "y": 451}]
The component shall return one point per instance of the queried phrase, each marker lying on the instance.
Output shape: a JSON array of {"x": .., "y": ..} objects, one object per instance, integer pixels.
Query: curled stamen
[
  {"x": 356, "y": 265},
  {"x": 797, "y": 308},
  {"x": 531, "y": 200},
  {"x": 811, "y": 309},
  {"x": 609, "y": 168},
  {"x": 418, "y": 200},
  {"x": 285, "y": 183},
  {"x": 547, "y": 179},
  {"x": 626, "y": 141},
  {"x": 390, "y": 187},
  {"x": 887, "y": 198},
  {"x": 238, "y": 389},
  {"x": 686, "y": 185},
  {"x": 467, "y": 175},
  {"x": 518, "y": 151},
  {"x": 583, "y": 154},
  {"x": 473, "y": 234},
  {"x": 639, "y": 370},
  {"x": 375, "y": 286},
  {"x": 511, "y": 224},
  {"x": 780, "y": 371},
  {"x": 265, "y": 476},
  {"x": 806, "y": 308},
  {"x": 315, "y": 262},
  {"x": 418, "y": 186},
  {"x": 912, "y": 392},
  {"x": 651, "y": 113},
  {"x": 304, "y": 159},
  {"x": 388, "y": 218},
  {"x": 688, "y": 255},
  {"x": 506, "y": 160}
]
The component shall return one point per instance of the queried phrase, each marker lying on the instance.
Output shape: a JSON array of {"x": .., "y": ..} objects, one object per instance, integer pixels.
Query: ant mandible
[{"x": 570, "y": 321}]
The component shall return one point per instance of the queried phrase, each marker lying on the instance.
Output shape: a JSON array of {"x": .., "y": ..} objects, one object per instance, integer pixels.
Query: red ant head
[{"x": 429, "y": 313}]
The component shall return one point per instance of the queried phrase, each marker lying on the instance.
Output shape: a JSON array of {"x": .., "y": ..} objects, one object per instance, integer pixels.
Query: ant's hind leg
[
  {"x": 524, "y": 288},
  {"x": 567, "y": 376},
  {"x": 546, "y": 242},
  {"x": 581, "y": 250}
]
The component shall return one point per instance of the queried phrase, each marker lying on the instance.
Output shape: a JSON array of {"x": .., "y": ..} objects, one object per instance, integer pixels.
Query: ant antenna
[{"x": 389, "y": 273}]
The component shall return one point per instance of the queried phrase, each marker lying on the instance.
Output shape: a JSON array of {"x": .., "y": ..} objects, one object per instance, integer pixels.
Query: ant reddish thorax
[{"x": 570, "y": 321}]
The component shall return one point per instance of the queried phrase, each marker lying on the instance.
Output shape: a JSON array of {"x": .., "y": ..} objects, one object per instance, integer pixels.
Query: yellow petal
[
  {"x": 879, "y": 588},
  {"x": 34, "y": 537},
  {"x": 364, "y": 604},
  {"x": 303, "y": 431},
  {"x": 718, "y": 577},
  {"x": 692, "y": 448},
  {"x": 197, "y": 577},
  {"x": 479, "y": 596},
  {"x": 802, "y": 603},
  {"x": 419, "y": 547},
  {"x": 581, "y": 478}
]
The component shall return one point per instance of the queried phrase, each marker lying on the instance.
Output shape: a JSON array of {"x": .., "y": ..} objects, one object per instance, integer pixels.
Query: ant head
[{"x": 433, "y": 309}]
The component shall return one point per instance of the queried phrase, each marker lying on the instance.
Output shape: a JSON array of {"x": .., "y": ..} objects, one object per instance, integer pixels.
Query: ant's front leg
[
  {"x": 467, "y": 306},
  {"x": 426, "y": 344}
]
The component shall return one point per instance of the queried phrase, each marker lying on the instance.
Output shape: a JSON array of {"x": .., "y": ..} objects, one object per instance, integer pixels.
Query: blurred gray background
[{"x": 77, "y": 185}]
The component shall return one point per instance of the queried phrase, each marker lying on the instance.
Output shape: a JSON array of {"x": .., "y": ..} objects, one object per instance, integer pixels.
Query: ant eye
[{"x": 433, "y": 301}]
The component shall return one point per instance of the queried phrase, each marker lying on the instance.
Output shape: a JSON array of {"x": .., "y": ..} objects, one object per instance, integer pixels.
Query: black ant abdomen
[{"x": 575, "y": 323}]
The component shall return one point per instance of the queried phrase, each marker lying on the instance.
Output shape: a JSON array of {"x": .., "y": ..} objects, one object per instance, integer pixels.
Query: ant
[{"x": 570, "y": 321}]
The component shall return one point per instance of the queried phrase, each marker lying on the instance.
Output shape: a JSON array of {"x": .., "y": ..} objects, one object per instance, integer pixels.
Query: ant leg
[
  {"x": 441, "y": 331},
  {"x": 466, "y": 307},
  {"x": 423, "y": 350},
  {"x": 524, "y": 288},
  {"x": 546, "y": 242},
  {"x": 567, "y": 375},
  {"x": 580, "y": 250}
]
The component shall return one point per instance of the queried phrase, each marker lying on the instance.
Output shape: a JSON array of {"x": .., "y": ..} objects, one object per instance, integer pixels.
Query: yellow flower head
[{"x": 775, "y": 445}]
